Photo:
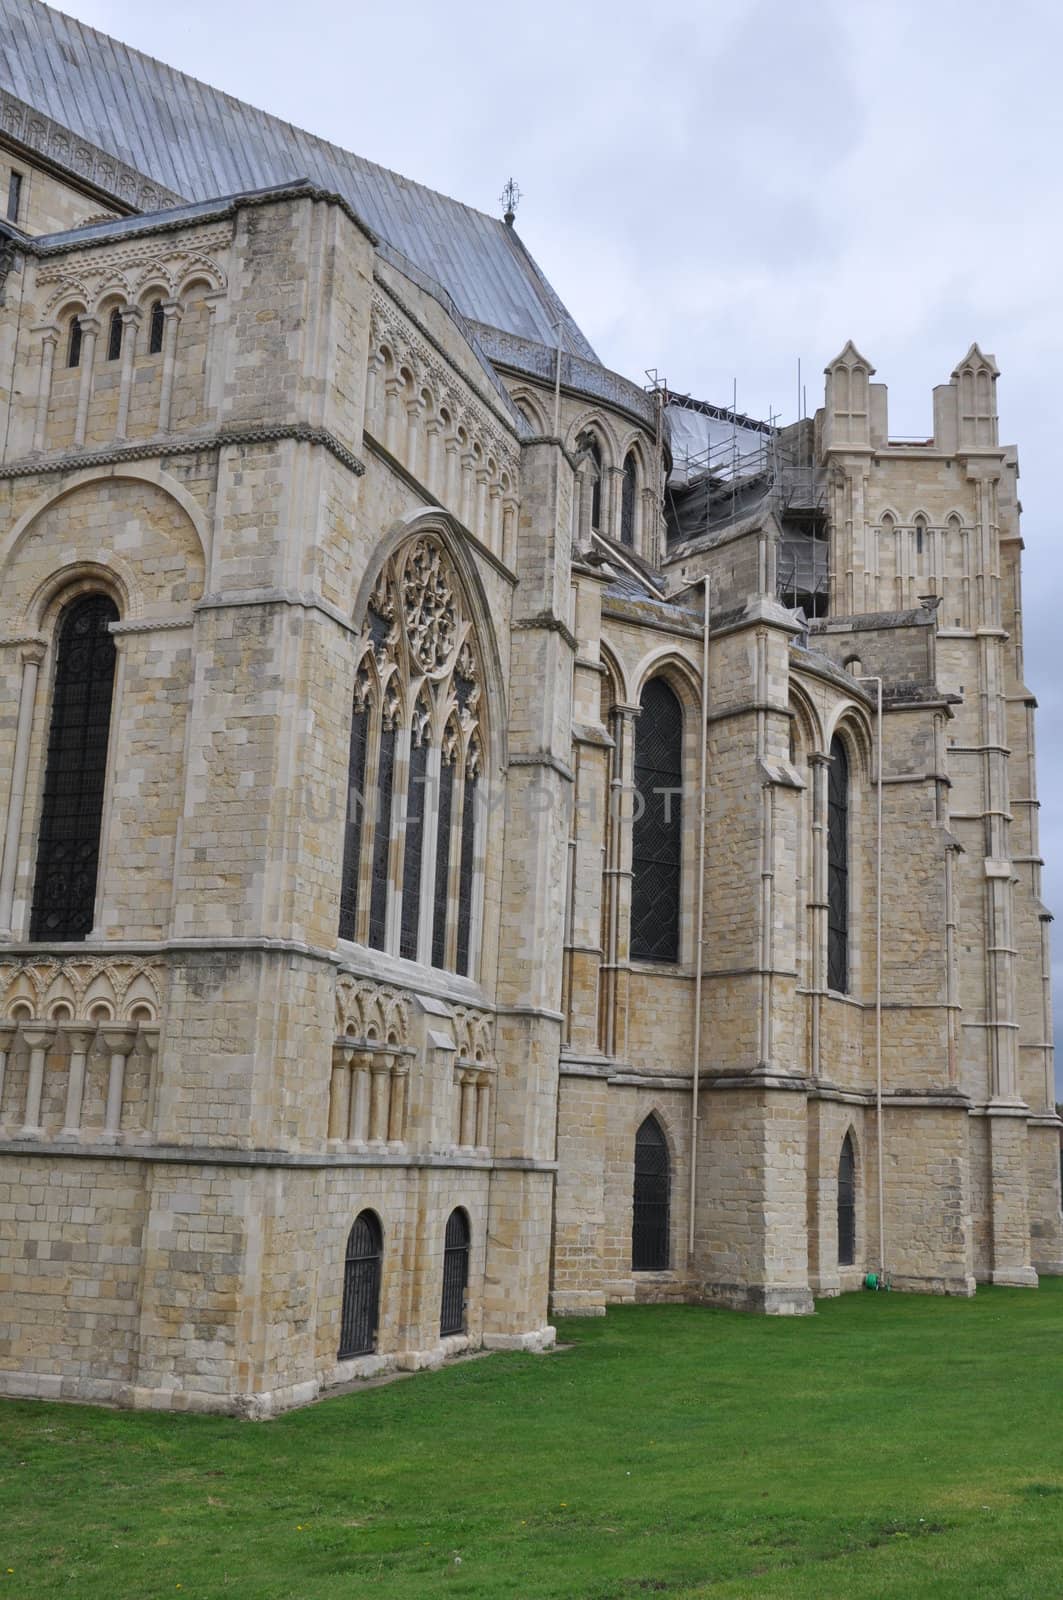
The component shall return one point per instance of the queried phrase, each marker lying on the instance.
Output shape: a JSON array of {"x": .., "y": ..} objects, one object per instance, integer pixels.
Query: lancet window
[{"x": 414, "y": 824}]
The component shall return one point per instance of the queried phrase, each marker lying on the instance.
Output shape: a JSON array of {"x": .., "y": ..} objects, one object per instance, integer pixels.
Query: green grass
[{"x": 891, "y": 1445}]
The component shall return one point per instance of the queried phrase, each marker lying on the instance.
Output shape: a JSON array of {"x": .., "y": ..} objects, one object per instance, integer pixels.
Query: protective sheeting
[
  {"x": 199, "y": 143},
  {"x": 710, "y": 439}
]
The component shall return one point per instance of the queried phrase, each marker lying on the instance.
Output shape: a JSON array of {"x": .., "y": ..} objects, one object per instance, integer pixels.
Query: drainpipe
[
  {"x": 878, "y": 971},
  {"x": 699, "y": 944}
]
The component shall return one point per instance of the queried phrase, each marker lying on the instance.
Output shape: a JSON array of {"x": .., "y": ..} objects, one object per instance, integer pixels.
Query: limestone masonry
[{"x": 479, "y": 839}]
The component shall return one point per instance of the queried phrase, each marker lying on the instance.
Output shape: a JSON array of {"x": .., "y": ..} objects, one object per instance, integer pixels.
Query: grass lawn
[{"x": 891, "y": 1445}]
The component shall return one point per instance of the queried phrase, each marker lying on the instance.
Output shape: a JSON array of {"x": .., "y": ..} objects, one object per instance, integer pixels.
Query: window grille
[
  {"x": 649, "y": 1230},
  {"x": 455, "y": 1275},
  {"x": 838, "y": 869},
  {"x": 467, "y": 864},
  {"x": 657, "y": 831},
  {"x": 414, "y": 853},
  {"x": 156, "y": 328},
  {"x": 847, "y": 1204},
  {"x": 378, "y": 902},
  {"x": 64, "y": 893},
  {"x": 360, "y": 1315},
  {"x": 627, "y": 500},
  {"x": 442, "y": 883},
  {"x": 352, "y": 838}
]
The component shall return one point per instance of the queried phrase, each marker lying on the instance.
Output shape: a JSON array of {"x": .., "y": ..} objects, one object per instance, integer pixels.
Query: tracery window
[
  {"x": 838, "y": 869},
  {"x": 657, "y": 830},
  {"x": 156, "y": 327},
  {"x": 68, "y": 848},
  {"x": 114, "y": 335},
  {"x": 847, "y": 1204},
  {"x": 628, "y": 499},
  {"x": 415, "y": 801},
  {"x": 649, "y": 1226},
  {"x": 360, "y": 1314}
]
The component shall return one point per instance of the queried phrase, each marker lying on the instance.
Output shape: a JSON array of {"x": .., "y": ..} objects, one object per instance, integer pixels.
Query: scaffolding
[{"x": 726, "y": 467}]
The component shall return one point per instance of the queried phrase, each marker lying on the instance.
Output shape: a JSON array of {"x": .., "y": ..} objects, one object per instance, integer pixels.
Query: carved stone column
[
  {"x": 171, "y": 310},
  {"x": 379, "y": 1098},
  {"x": 81, "y": 1038},
  {"x": 32, "y": 656},
  {"x": 49, "y": 340},
  {"x": 40, "y": 1037},
  {"x": 483, "y": 1110},
  {"x": 397, "y": 1115},
  {"x": 359, "y": 1123},
  {"x": 467, "y": 1137},
  {"x": 90, "y": 327},
  {"x": 131, "y": 318},
  {"x": 8, "y": 1032},
  {"x": 119, "y": 1040},
  {"x": 434, "y": 430},
  {"x": 339, "y": 1104}
]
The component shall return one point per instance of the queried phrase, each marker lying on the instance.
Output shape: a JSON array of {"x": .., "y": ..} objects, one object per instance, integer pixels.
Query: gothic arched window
[
  {"x": 649, "y": 1225},
  {"x": 628, "y": 499},
  {"x": 838, "y": 869},
  {"x": 361, "y": 1287},
  {"x": 847, "y": 1204},
  {"x": 455, "y": 1274},
  {"x": 589, "y": 443},
  {"x": 412, "y": 835},
  {"x": 68, "y": 847},
  {"x": 114, "y": 335},
  {"x": 156, "y": 327},
  {"x": 657, "y": 831}
]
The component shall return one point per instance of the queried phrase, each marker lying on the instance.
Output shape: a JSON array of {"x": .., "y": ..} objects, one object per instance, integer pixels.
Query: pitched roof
[{"x": 199, "y": 143}]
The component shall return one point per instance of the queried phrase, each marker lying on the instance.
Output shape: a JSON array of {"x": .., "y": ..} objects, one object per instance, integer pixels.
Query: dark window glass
[
  {"x": 439, "y": 910},
  {"x": 414, "y": 853},
  {"x": 847, "y": 1205},
  {"x": 361, "y": 1287},
  {"x": 68, "y": 849},
  {"x": 649, "y": 1230},
  {"x": 352, "y": 837},
  {"x": 378, "y": 900},
  {"x": 14, "y": 196},
  {"x": 156, "y": 326},
  {"x": 73, "y": 349},
  {"x": 838, "y": 869},
  {"x": 455, "y": 1274},
  {"x": 468, "y": 849},
  {"x": 588, "y": 442},
  {"x": 114, "y": 335},
  {"x": 658, "y": 827},
  {"x": 627, "y": 502}
]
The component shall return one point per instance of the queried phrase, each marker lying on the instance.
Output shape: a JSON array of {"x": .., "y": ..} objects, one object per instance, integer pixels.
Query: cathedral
[{"x": 482, "y": 840}]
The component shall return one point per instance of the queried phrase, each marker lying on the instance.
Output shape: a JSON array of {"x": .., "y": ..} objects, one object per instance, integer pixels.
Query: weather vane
[{"x": 509, "y": 200}]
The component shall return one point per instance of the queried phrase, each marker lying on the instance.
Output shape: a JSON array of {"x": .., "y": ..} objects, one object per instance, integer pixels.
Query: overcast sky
[{"x": 717, "y": 190}]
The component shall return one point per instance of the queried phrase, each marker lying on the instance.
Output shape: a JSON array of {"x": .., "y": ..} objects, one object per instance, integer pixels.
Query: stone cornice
[{"x": 218, "y": 439}]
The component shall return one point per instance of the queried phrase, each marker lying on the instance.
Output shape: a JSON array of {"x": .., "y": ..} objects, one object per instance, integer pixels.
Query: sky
[{"x": 719, "y": 191}]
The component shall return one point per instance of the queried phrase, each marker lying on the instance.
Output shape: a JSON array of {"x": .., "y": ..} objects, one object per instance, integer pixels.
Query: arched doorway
[
  {"x": 649, "y": 1228},
  {"x": 455, "y": 1274},
  {"x": 361, "y": 1287},
  {"x": 847, "y": 1204}
]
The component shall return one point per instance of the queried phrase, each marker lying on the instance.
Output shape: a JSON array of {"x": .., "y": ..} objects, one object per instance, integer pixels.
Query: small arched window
[
  {"x": 114, "y": 335},
  {"x": 360, "y": 1316},
  {"x": 847, "y": 1204},
  {"x": 156, "y": 327},
  {"x": 68, "y": 847},
  {"x": 838, "y": 869},
  {"x": 73, "y": 344},
  {"x": 649, "y": 1227},
  {"x": 628, "y": 500},
  {"x": 455, "y": 1274},
  {"x": 657, "y": 831}
]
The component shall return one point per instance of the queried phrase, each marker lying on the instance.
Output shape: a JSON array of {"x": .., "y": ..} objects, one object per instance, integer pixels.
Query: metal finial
[{"x": 509, "y": 200}]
